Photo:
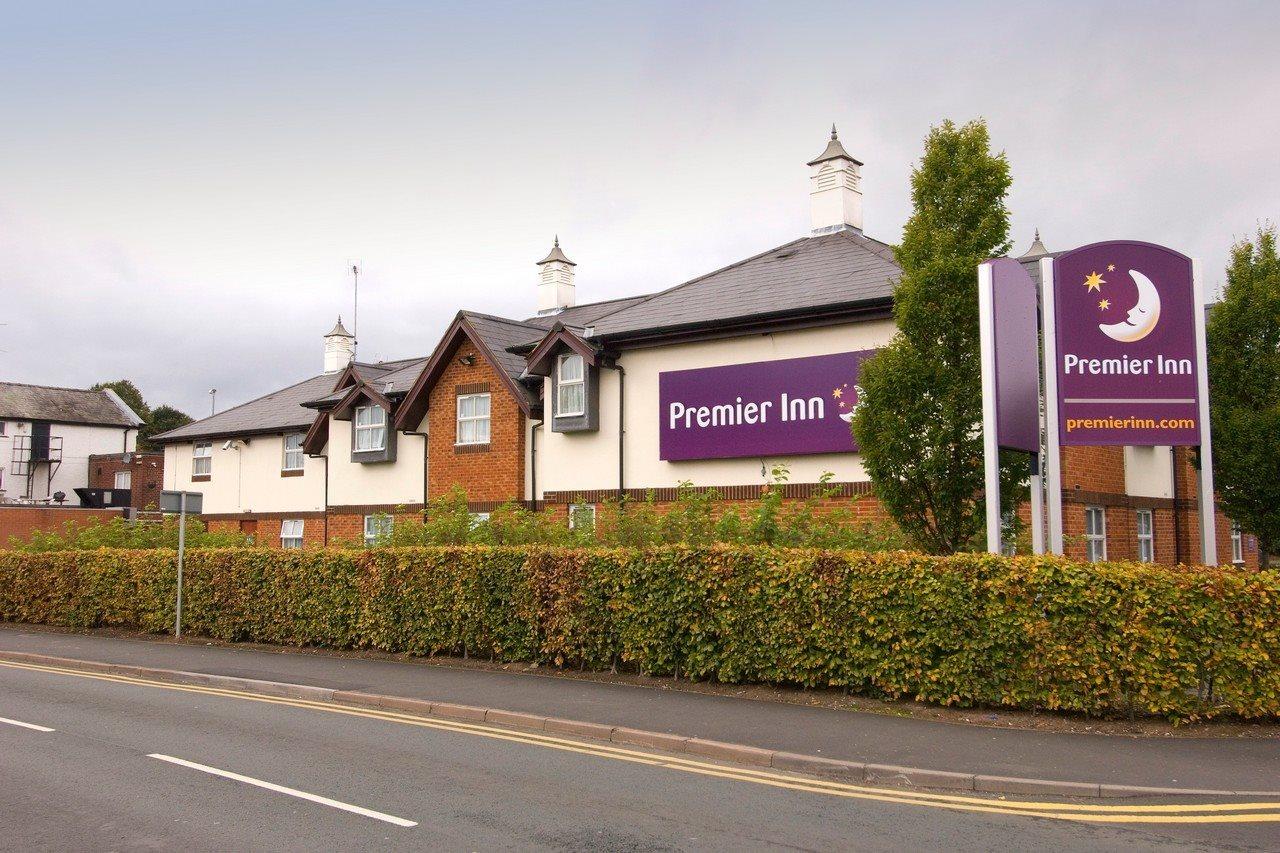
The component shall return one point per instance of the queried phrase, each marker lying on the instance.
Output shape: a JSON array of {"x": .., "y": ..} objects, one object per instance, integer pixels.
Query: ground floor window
[
  {"x": 582, "y": 516},
  {"x": 377, "y": 529},
  {"x": 291, "y": 533},
  {"x": 123, "y": 480},
  {"x": 1095, "y": 533},
  {"x": 1237, "y": 543},
  {"x": 477, "y": 518},
  {"x": 1146, "y": 536},
  {"x": 1009, "y": 534}
]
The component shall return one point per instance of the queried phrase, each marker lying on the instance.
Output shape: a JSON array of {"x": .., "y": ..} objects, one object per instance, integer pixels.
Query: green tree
[
  {"x": 163, "y": 418},
  {"x": 919, "y": 417},
  {"x": 128, "y": 392},
  {"x": 1244, "y": 390}
]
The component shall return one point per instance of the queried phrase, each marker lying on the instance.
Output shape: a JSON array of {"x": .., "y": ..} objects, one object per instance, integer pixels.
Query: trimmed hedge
[{"x": 963, "y": 630}]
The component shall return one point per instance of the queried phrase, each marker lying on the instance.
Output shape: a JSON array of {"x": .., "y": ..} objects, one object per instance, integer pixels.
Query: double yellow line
[{"x": 1219, "y": 812}]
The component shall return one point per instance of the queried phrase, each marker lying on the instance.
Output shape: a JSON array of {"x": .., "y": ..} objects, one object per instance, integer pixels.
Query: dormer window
[
  {"x": 370, "y": 428},
  {"x": 571, "y": 386}
]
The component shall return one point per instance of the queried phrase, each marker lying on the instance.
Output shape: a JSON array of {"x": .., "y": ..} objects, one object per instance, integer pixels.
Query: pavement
[
  {"x": 1175, "y": 762},
  {"x": 89, "y": 761}
]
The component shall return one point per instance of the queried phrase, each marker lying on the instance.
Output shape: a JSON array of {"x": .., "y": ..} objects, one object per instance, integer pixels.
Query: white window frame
[
  {"x": 202, "y": 459},
  {"x": 377, "y": 528},
  {"x": 478, "y": 420},
  {"x": 291, "y": 530},
  {"x": 374, "y": 432},
  {"x": 1095, "y": 540},
  {"x": 579, "y": 383},
  {"x": 477, "y": 518},
  {"x": 1237, "y": 544},
  {"x": 286, "y": 451},
  {"x": 579, "y": 514},
  {"x": 128, "y": 480},
  {"x": 1147, "y": 537}
]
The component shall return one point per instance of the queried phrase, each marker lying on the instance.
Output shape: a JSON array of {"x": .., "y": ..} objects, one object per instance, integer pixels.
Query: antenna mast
[{"x": 355, "y": 310}]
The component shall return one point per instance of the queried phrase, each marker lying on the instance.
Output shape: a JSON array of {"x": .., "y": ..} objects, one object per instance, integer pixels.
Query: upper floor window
[
  {"x": 1146, "y": 536},
  {"x": 1095, "y": 533},
  {"x": 291, "y": 533},
  {"x": 473, "y": 419},
  {"x": 293, "y": 460},
  {"x": 1, "y": 427},
  {"x": 571, "y": 386},
  {"x": 202, "y": 459},
  {"x": 1237, "y": 543},
  {"x": 371, "y": 428},
  {"x": 123, "y": 480}
]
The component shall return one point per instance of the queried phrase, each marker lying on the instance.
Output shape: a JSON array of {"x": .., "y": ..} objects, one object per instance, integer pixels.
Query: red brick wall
[
  {"x": 265, "y": 527},
  {"x": 20, "y": 521},
  {"x": 146, "y": 473},
  {"x": 490, "y": 474}
]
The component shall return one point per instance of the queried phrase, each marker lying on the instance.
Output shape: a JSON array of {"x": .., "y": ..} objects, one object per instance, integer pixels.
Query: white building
[{"x": 47, "y": 435}]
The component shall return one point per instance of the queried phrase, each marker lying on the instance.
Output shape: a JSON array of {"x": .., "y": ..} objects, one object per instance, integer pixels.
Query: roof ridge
[
  {"x": 248, "y": 403},
  {"x": 53, "y": 387},
  {"x": 524, "y": 324},
  {"x": 880, "y": 247}
]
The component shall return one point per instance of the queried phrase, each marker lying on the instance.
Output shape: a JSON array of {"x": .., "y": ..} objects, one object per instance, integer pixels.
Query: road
[{"x": 100, "y": 762}]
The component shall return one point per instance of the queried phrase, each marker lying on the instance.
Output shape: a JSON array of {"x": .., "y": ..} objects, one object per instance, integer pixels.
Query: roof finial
[
  {"x": 833, "y": 131},
  {"x": 1037, "y": 235},
  {"x": 557, "y": 239}
]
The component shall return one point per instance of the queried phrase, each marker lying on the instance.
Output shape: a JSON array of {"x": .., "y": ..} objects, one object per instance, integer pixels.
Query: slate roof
[
  {"x": 19, "y": 401},
  {"x": 583, "y": 315},
  {"x": 499, "y": 334},
  {"x": 278, "y": 410},
  {"x": 840, "y": 268}
]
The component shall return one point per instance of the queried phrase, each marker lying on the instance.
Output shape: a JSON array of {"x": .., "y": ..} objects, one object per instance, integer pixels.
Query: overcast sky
[{"x": 183, "y": 187}]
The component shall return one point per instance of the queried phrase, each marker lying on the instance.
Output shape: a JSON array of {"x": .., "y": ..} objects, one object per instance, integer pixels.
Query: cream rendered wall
[
  {"x": 1148, "y": 472},
  {"x": 246, "y": 478},
  {"x": 394, "y": 483},
  {"x": 568, "y": 462}
]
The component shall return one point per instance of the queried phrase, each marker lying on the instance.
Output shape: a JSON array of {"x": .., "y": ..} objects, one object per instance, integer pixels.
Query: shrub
[
  {"x": 123, "y": 533},
  {"x": 969, "y": 629}
]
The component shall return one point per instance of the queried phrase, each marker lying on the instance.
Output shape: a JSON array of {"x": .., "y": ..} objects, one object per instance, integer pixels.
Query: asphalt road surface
[{"x": 101, "y": 762}]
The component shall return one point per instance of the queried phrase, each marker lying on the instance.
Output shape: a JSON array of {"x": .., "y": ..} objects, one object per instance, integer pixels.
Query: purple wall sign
[
  {"x": 1016, "y": 339},
  {"x": 1126, "y": 353},
  {"x": 769, "y": 408}
]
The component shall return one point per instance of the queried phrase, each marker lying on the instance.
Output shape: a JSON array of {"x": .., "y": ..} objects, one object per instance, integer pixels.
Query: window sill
[
  {"x": 471, "y": 448},
  {"x": 291, "y": 472},
  {"x": 201, "y": 478},
  {"x": 564, "y": 415}
]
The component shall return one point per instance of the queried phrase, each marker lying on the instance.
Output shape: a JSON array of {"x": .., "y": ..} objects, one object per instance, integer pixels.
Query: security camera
[{"x": 226, "y": 445}]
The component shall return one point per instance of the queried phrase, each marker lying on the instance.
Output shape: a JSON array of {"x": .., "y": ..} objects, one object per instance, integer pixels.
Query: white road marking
[
  {"x": 31, "y": 726},
  {"x": 281, "y": 789}
]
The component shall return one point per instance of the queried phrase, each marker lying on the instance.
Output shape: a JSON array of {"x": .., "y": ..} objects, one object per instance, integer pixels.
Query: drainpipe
[
  {"x": 426, "y": 449},
  {"x": 622, "y": 421},
  {"x": 325, "y": 505},
  {"x": 534, "y": 426}
]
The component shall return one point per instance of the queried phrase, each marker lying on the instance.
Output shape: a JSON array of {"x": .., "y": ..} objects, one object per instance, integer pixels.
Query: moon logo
[{"x": 1142, "y": 317}]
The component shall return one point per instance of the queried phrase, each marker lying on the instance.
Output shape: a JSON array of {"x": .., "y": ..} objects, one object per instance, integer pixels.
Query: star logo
[
  {"x": 1111, "y": 267},
  {"x": 1094, "y": 281},
  {"x": 837, "y": 393},
  {"x": 1104, "y": 304}
]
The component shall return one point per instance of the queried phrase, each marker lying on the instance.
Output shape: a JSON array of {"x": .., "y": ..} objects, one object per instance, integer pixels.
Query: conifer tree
[{"x": 919, "y": 418}]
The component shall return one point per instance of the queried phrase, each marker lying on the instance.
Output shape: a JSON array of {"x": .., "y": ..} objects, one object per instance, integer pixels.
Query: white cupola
[
  {"x": 339, "y": 348},
  {"x": 835, "y": 192},
  {"x": 555, "y": 281}
]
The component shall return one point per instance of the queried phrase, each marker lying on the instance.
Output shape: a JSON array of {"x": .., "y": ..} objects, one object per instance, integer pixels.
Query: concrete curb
[{"x": 847, "y": 771}]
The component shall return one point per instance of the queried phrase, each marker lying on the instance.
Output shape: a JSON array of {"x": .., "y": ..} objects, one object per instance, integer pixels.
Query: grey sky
[{"x": 182, "y": 190}]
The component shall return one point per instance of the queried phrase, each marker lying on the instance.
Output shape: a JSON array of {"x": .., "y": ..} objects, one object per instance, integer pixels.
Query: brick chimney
[
  {"x": 555, "y": 281},
  {"x": 835, "y": 192}
]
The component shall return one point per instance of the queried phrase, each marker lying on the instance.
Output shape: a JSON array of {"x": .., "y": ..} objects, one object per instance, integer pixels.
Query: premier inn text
[
  {"x": 1160, "y": 365},
  {"x": 738, "y": 412}
]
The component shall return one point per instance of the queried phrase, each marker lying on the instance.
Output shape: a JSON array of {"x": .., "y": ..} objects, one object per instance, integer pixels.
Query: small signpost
[{"x": 181, "y": 503}]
